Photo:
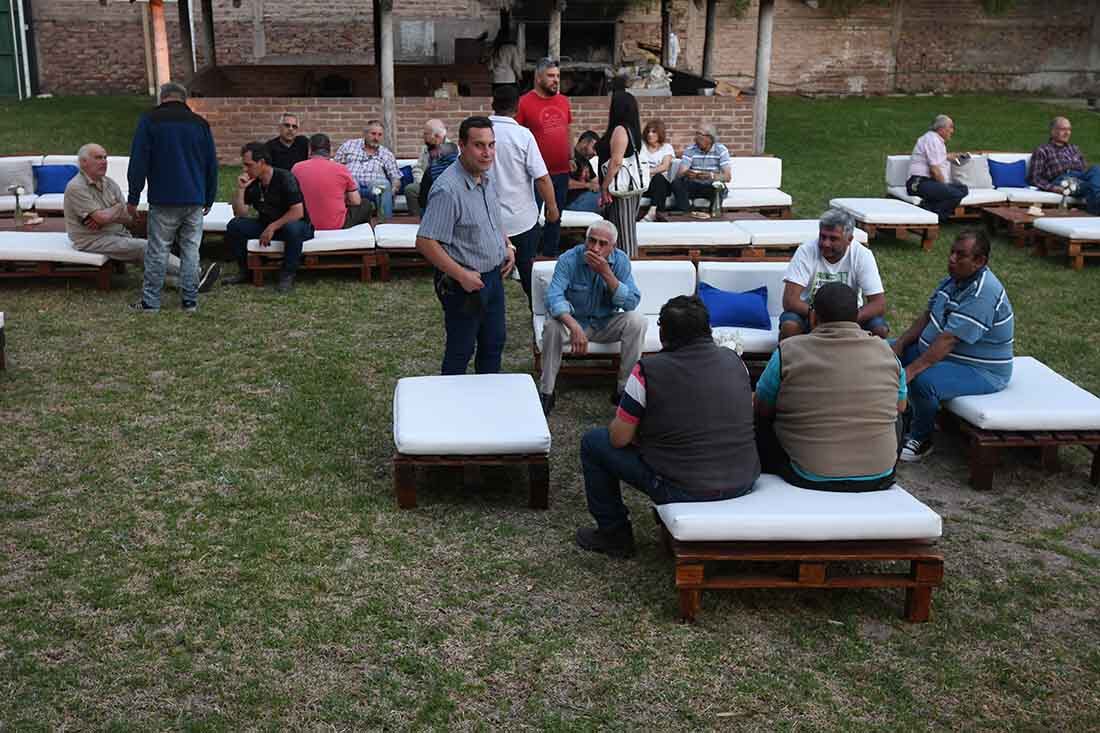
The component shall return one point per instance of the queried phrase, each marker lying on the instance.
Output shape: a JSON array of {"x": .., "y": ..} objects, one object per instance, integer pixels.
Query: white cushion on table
[
  {"x": 470, "y": 414},
  {"x": 766, "y": 232},
  {"x": 755, "y": 172},
  {"x": 739, "y": 277},
  {"x": 897, "y": 170},
  {"x": 396, "y": 236},
  {"x": 737, "y": 198},
  {"x": 573, "y": 219},
  {"x": 691, "y": 232},
  {"x": 7, "y": 203},
  {"x": 901, "y": 192},
  {"x": 50, "y": 203},
  {"x": 1030, "y": 195},
  {"x": 1071, "y": 227},
  {"x": 359, "y": 236},
  {"x": 777, "y": 511},
  {"x": 44, "y": 247},
  {"x": 218, "y": 218},
  {"x": 1036, "y": 398},
  {"x": 885, "y": 211}
]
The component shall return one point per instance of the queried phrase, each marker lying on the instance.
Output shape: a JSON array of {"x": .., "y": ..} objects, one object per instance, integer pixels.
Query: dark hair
[
  {"x": 259, "y": 151},
  {"x": 469, "y": 123},
  {"x": 505, "y": 99},
  {"x": 319, "y": 143},
  {"x": 683, "y": 319},
  {"x": 588, "y": 135},
  {"x": 623, "y": 112},
  {"x": 836, "y": 301},
  {"x": 979, "y": 238},
  {"x": 658, "y": 127}
]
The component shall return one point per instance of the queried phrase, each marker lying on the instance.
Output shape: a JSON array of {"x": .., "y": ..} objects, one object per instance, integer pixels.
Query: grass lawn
[{"x": 198, "y": 531}]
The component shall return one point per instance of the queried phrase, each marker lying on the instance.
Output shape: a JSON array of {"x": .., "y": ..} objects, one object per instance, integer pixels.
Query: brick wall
[{"x": 238, "y": 120}]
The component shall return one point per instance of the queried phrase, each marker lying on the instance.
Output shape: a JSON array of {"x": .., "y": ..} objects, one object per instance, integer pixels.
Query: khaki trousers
[
  {"x": 124, "y": 249},
  {"x": 628, "y": 328}
]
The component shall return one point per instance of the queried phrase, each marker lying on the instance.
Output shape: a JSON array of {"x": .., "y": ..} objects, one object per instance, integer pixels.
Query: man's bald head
[
  {"x": 1060, "y": 130},
  {"x": 92, "y": 158}
]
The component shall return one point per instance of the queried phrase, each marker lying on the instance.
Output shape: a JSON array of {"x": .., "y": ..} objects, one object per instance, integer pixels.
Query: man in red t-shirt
[
  {"x": 331, "y": 194},
  {"x": 547, "y": 114}
]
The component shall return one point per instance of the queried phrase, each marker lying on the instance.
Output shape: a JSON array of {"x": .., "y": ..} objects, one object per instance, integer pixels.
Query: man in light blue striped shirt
[{"x": 961, "y": 345}]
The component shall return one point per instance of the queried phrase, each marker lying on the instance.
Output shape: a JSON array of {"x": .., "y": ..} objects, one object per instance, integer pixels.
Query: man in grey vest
[
  {"x": 829, "y": 402},
  {"x": 683, "y": 430}
]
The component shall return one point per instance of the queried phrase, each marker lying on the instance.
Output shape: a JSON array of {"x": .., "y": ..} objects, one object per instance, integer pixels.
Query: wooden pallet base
[
  {"x": 101, "y": 275},
  {"x": 1075, "y": 249},
  {"x": 696, "y": 564},
  {"x": 354, "y": 259},
  {"x": 404, "y": 258},
  {"x": 538, "y": 474},
  {"x": 986, "y": 445},
  {"x": 926, "y": 234},
  {"x": 738, "y": 252}
]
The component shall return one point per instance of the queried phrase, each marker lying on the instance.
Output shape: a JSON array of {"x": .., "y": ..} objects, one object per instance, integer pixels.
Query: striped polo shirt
[
  {"x": 977, "y": 311},
  {"x": 714, "y": 160}
]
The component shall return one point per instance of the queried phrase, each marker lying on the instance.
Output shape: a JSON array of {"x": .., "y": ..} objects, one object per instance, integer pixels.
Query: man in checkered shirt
[
  {"x": 373, "y": 166},
  {"x": 1058, "y": 161}
]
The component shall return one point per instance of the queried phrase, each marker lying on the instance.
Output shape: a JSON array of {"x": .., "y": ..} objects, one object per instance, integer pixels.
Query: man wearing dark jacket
[{"x": 173, "y": 150}]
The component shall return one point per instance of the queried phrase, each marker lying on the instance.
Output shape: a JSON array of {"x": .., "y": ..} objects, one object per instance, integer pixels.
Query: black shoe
[
  {"x": 614, "y": 543},
  {"x": 189, "y": 306},
  {"x": 210, "y": 277},
  {"x": 616, "y": 398},
  {"x": 547, "y": 401},
  {"x": 286, "y": 282},
  {"x": 141, "y": 307},
  {"x": 243, "y": 277}
]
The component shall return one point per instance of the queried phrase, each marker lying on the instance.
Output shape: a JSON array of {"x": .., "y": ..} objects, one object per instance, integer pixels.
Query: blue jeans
[
  {"x": 526, "y": 245},
  {"x": 382, "y": 201},
  {"x": 587, "y": 201},
  {"x": 551, "y": 233},
  {"x": 869, "y": 325},
  {"x": 166, "y": 225},
  {"x": 944, "y": 380},
  {"x": 604, "y": 466},
  {"x": 240, "y": 229},
  {"x": 939, "y": 198},
  {"x": 1088, "y": 187},
  {"x": 472, "y": 320}
]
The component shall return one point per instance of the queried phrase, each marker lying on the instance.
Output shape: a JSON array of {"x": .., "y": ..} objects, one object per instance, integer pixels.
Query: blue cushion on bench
[
  {"x": 747, "y": 310},
  {"x": 1009, "y": 175},
  {"x": 53, "y": 178}
]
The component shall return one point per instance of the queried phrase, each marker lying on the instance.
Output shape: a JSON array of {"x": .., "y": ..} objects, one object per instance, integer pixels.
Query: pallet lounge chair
[
  {"x": 777, "y": 239},
  {"x": 469, "y": 420},
  {"x": 694, "y": 240},
  {"x": 398, "y": 243},
  {"x": 3, "y": 363},
  {"x": 1078, "y": 237},
  {"x": 17, "y": 170},
  {"x": 891, "y": 215},
  {"x": 810, "y": 530},
  {"x": 1038, "y": 409},
  {"x": 51, "y": 254},
  {"x": 217, "y": 219},
  {"x": 658, "y": 280},
  {"x": 739, "y": 277},
  {"x": 754, "y": 187},
  {"x": 337, "y": 249},
  {"x": 897, "y": 173}
]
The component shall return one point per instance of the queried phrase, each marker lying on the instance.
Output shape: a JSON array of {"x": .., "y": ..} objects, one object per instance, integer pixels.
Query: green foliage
[{"x": 998, "y": 7}]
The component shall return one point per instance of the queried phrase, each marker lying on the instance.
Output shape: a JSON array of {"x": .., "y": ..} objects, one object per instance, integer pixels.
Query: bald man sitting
[
  {"x": 1059, "y": 166},
  {"x": 96, "y": 217},
  {"x": 435, "y": 134}
]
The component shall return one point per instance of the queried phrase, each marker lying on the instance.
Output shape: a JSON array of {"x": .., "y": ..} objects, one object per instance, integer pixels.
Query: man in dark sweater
[
  {"x": 288, "y": 147},
  {"x": 683, "y": 430},
  {"x": 173, "y": 150}
]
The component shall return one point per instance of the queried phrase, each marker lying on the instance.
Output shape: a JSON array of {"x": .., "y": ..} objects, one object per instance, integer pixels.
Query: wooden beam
[
  {"x": 389, "y": 113},
  {"x": 160, "y": 43},
  {"x": 765, "y": 24},
  {"x": 187, "y": 33},
  {"x": 708, "y": 39},
  {"x": 666, "y": 29},
  {"x": 150, "y": 61},
  {"x": 208, "y": 32},
  {"x": 553, "y": 41}
]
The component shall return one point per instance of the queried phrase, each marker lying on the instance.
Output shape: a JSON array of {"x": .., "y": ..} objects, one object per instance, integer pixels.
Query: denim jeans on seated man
[
  {"x": 168, "y": 224},
  {"x": 551, "y": 233},
  {"x": 240, "y": 229},
  {"x": 685, "y": 190},
  {"x": 383, "y": 202},
  {"x": 604, "y": 466},
  {"x": 587, "y": 201},
  {"x": 939, "y": 198},
  {"x": 869, "y": 325},
  {"x": 526, "y": 245},
  {"x": 473, "y": 320},
  {"x": 1088, "y": 187},
  {"x": 944, "y": 380}
]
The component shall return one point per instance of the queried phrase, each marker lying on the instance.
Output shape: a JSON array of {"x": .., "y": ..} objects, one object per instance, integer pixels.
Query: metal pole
[{"x": 763, "y": 65}]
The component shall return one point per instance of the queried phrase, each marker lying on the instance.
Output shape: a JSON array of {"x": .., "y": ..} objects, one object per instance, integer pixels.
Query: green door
[{"x": 9, "y": 63}]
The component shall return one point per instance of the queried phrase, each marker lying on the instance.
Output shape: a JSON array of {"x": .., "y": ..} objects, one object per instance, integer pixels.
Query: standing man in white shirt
[
  {"x": 518, "y": 165},
  {"x": 832, "y": 257}
]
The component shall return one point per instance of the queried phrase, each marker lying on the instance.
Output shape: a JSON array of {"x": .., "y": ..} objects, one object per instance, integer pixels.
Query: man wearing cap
[{"x": 701, "y": 165}]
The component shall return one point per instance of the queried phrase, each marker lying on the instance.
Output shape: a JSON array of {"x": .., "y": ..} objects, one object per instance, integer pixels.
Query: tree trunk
[
  {"x": 160, "y": 43},
  {"x": 763, "y": 67},
  {"x": 389, "y": 114},
  {"x": 553, "y": 42},
  {"x": 708, "y": 39}
]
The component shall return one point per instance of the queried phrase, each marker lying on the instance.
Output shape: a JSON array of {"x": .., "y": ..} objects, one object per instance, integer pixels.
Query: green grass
[{"x": 198, "y": 532}]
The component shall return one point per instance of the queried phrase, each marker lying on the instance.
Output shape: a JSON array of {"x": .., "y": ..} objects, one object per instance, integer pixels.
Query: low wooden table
[
  {"x": 360, "y": 260},
  {"x": 1018, "y": 222},
  {"x": 681, "y": 216}
]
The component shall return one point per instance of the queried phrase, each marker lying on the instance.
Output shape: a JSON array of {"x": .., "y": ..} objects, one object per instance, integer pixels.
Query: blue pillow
[
  {"x": 53, "y": 178},
  {"x": 406, "y": 175},
  {"x": 748, "y": 309},
  {"x": 1008, "y": 175}
]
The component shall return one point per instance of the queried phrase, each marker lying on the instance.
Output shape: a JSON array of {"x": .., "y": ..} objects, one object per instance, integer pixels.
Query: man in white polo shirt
[{"x": 518, "y": 165}]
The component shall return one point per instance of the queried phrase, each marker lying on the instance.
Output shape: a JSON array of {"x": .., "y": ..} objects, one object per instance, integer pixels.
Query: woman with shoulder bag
[{"x": 622, "y": 175}]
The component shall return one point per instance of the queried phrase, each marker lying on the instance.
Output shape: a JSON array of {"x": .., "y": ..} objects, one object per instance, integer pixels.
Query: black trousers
[
  {"x": 657, "y": 193},
  {"x": 939, "y": 198}
]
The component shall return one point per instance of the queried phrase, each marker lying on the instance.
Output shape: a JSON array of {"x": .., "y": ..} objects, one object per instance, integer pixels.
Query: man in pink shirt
[
  {"x": 929, "y": 169},
  {"x": 547, "y": 114},
  {"x": 331, "y": 194}
]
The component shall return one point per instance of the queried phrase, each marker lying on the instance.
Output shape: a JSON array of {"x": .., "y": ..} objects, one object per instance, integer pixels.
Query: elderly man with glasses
[
  {"x": 702, "y": 164},
  {"x": 288, "y": 147},
  {"x": 373, "y": 167}
]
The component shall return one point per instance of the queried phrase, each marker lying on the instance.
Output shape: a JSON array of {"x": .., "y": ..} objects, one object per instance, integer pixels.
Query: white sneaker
[
  {"x": 914, "y": 450},
  {"x": 650, "y": 215}
]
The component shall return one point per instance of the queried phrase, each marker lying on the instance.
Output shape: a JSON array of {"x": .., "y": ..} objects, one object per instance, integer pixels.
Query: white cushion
[
  {"x": 335, "y": 240},
  {"x": 218, "y": 218},
  {"x": 396, "y": 236},
  {"x": 981, "y": 196},
  {"x": 117, "y": 168},
  {"x": 1036, "y": 398},
  {"x": 884, "y": 211},
  {"x": 7, "y": 203},
  {"x": 402, "y": 162},
  {"x": 50, "y": 203},
  {"x": 44, "y": 247},
  {"x": 692, "y": 232},
  {"x": 901, "y": 192},
  {"x": 573, "y": 219},
  {"x": 777, "y": 511},
  {"x": 897, "y": 170},
  {"x": 471, "y": 414},
  {"x": 755, "y": 172},
  {"x": 18, "y": 170},
  {"x": 763, "y": 233},
  {"x": 61, "y": 160},
  {"x": 1071, "y": 227},
  {"x": 400, "y": 202},
  {"x": 652, "y": 338},
  {"x": 739, "y": 198},
  {"x": 753, "y": 340},
  {"x": 1031, "y": 195}
]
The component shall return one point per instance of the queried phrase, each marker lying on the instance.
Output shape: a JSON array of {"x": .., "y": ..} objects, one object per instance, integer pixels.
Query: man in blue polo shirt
[{"x": 961, "y": 345}]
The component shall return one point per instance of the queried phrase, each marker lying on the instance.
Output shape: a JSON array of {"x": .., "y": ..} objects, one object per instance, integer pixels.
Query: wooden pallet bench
[
  {"x": 362, "y": 261},
  {"x": 538, "y": 473},
  {"x": 986, "y": 446}
]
